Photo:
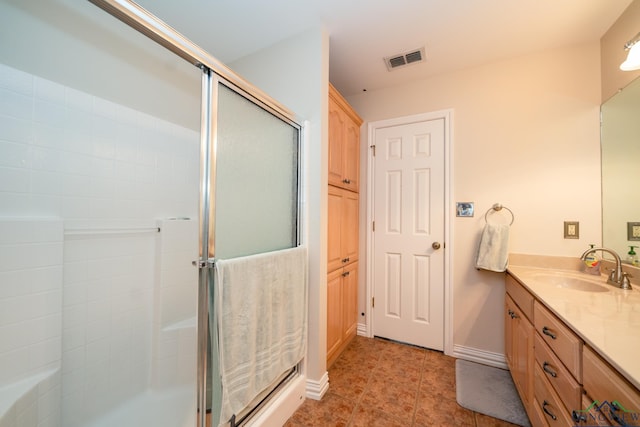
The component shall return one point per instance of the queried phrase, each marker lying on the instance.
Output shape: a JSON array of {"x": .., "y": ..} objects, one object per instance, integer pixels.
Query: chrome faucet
[{"x": 617, "y": 277}]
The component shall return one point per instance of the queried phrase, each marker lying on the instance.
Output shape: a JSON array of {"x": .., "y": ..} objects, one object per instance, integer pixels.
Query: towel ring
[{"x": 497, "y": 207}]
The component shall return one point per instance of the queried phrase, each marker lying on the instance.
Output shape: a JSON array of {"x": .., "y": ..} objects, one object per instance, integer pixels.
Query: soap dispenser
[
  {"x": 632, "y": 257},
  {"x": 592, "y": 263}
]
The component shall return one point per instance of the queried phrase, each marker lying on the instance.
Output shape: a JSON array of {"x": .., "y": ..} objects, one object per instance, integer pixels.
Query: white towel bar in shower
[{"x": 99, "y": 231}]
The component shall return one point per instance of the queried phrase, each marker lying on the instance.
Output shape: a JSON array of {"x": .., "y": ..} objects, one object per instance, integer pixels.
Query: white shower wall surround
[
  {"x": 31, "y": 257},
  {"x": 79, "y": 157},
  {"x": 124, "y": 304}
]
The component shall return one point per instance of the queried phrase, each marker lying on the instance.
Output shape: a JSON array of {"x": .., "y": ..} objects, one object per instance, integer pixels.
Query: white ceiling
[{"x": 456, "y": 33}]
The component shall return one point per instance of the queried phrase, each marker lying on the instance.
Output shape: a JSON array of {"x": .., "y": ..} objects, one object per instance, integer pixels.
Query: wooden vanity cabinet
[
  {"x": 565, "y": 382},
  {"x": 343, "y": 207},
  {"x": 519, "y": 339},
  {"x": 544, "y": 374}
]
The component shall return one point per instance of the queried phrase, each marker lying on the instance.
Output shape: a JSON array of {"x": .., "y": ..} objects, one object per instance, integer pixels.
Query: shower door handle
[{"x": 204, "y": 264}]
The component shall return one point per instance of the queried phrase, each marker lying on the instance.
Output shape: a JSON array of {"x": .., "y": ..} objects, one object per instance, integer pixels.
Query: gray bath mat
[{"x": 490, "y": 391}]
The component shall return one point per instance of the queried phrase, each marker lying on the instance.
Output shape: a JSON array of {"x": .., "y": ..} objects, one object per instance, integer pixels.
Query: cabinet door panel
[
  {"x": 351, "y": 158},
  {"x": 349, "y": 230},
  {"x": 334, "y": 312},
  {"x": 334, "y": 234},
  {"x": 350, "y": 300},
  {"x": 605, "y": 384},
  {"x": 524, "y": 361},
  {"x": 508, "y": 332},
  {"x": 337, "y": 125}
]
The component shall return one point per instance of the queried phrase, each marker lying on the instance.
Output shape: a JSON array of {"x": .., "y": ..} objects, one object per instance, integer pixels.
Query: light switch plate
[
  {"x": 633, "y": 231},
  {"x": 571, "y": 230}
]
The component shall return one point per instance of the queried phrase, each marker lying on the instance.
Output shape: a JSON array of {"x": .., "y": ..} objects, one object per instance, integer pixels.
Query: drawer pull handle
[
  {"x": 616, "y": 418},
  {"x": 548, "y": 412},
  {"x": 578, "y": 417},
  {"x": 345, "y": 274},
  {"x": 547, "y": 332},
  {"x": 545, "y": 367},
  {"x": 345, "y": 260}
]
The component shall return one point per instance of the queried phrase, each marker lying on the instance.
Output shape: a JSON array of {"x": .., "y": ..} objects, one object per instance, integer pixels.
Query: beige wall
[
  {"x": 525, "y": 134},
  {"x": 613, "y": 53}
]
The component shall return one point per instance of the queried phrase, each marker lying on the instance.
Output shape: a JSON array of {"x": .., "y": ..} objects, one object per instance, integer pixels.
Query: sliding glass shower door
[{"x": 255, "y": 194}]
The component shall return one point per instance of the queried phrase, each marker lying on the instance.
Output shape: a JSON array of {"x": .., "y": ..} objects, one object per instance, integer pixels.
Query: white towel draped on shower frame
[
  {"x": 261, "y": 305},
  {"x": 493, "y": 252}
]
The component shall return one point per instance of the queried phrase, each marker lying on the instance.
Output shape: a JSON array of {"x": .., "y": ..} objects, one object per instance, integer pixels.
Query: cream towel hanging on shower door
[{"x": 261, "y": 303}]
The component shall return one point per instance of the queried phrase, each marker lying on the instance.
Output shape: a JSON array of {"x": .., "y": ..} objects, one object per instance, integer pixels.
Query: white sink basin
[{"x": 571, "y": 282}]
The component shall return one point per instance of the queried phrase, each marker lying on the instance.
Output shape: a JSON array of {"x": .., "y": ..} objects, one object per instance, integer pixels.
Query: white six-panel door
[{"x": 408, "y": 241}]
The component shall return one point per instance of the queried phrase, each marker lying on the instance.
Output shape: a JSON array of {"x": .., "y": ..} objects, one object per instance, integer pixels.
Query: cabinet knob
[
  {"x": 346, "y": 181},
  {"x": 345, "y": 274},
  {"x": 345, "y": 260},
  {"x": 435, "y": 245}
]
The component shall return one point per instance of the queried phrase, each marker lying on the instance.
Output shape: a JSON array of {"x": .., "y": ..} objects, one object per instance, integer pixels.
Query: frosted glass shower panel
[{"x": 256, "y": 200}]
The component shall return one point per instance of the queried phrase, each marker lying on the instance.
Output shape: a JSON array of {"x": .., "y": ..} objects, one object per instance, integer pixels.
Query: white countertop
[{"x": 608, "y": 321}]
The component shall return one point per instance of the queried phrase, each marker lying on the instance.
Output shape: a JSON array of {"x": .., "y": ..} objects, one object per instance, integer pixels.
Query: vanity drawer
[
  {"x": 520, "y": 296},
  {"x": 605, "y": 384},
  {"x": 548, "y": 403},
  {"x": 589, "y": 415},
  {"x": 564, "y": 343},
  {"x": 558, "y": 376},
  {"x": 537, "y": 416}
]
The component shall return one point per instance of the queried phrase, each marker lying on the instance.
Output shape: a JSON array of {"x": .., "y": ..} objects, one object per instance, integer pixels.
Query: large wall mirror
[{"x": 620, "y": 139}]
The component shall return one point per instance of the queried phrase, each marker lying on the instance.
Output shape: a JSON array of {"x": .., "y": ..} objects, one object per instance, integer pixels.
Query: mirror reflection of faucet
[{"x": 617, "y": 277}]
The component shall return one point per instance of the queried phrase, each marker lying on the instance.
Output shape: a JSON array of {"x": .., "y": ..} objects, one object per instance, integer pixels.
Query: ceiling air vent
[{"x": 404, "y": 59}]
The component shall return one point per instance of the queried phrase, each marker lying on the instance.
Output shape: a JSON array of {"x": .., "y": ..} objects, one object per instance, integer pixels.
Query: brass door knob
[{"x": 435, "y": 245}]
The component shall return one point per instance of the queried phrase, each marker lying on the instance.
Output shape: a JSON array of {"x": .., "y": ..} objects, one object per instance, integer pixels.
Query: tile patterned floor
[{"x": 381, "y": 383}]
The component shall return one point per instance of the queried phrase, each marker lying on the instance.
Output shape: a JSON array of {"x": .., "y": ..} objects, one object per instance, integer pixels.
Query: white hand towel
[{"x": 493, "y": 252}]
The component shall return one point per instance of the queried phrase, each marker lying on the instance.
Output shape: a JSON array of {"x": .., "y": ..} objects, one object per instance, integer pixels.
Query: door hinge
[
  {"x": 373, "y": 302},
  {"x": 373, "y": 226},
  {"x": 373, "y": 147}
]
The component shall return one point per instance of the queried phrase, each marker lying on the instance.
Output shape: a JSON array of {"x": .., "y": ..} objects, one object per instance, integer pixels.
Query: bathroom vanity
[{"x": 572, "y": 344}]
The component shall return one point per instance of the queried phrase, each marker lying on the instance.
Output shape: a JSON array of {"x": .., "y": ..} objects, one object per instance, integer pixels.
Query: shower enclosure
[{"x": 124, "y": 160}]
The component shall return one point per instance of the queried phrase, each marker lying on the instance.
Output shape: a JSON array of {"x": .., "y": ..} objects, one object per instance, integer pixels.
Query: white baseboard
[
  {"x": 316, "y": 389},
  {"x": 282, "y": 406},
  {"x": 362, "y": 330},
  {"x": 480, "y": 356}
]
